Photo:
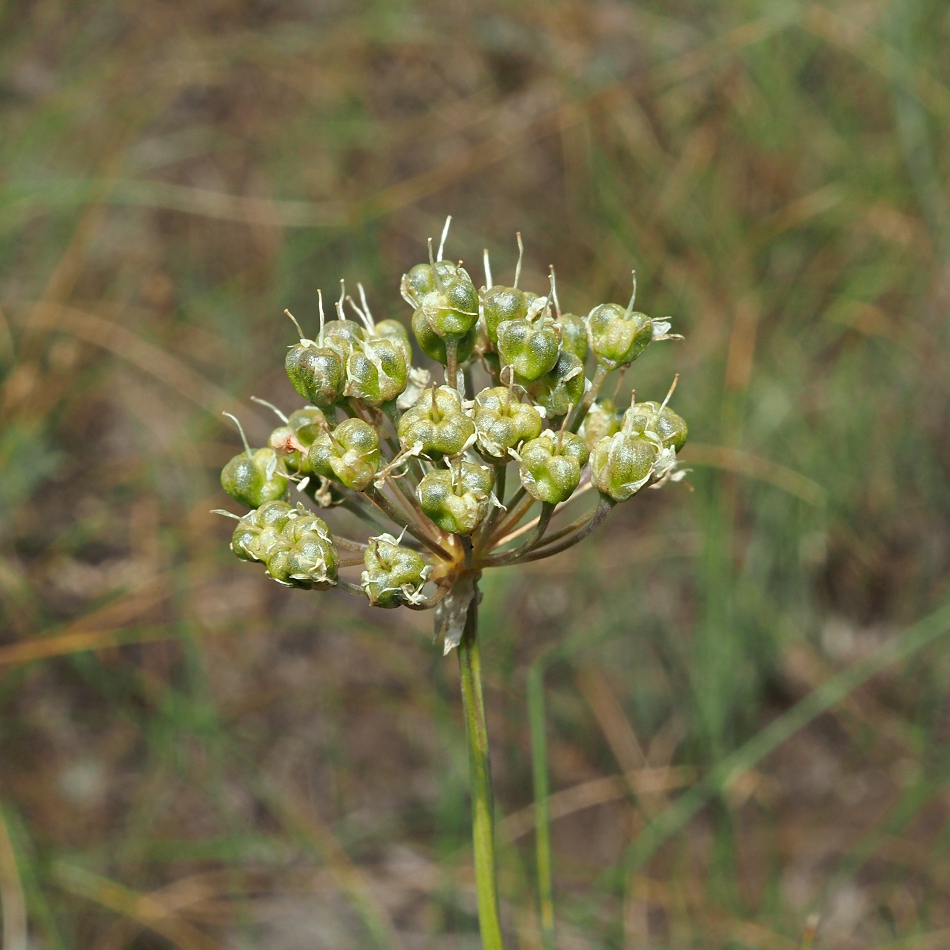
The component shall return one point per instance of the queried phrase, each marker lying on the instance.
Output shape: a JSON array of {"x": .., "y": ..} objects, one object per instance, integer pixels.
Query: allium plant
[{"x": 451, "y": 477}]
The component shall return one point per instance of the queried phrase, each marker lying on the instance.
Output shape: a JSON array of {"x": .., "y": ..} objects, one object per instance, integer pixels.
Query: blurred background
[{"x": 193, "y": 757}]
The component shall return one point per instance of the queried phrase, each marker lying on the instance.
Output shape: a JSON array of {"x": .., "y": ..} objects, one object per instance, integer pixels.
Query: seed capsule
[
  {"x": 621, "y": 464},
  {"x": 317, "y": 372},
  {"x": 423, "y": 279},
  {"x": 293, "y": 543},
  {"x": 450, "y": 310},
  {"x": 457, "y": 499},
  {"x": 617, "y": 335},
  {"x": 252, "y": 478},
  {"x": 530, "y": 346},
  {"x": 504, "y": 303},
  {"x": 349, "y": 454},
  {"x": 562, "y": 387},
  {"x": 394, "y": 574},
  {"x": 376, "y": 371},
  {"x": 343, "y": 336},
  {"x": 602, "y": 421},
  {"x": 292, "y": 440},
  {"x": 434, "y": 346},
  {"x": 573, "y": 334},
  {"x": 245, "y": 540},
  {"x": 438, "y": 422},
  {"x": 396, "y": 331},
  {"x": 502, "y": 421},
  {"x": 653, "y": 418},
  {"x": 550, "y": 466},
  {"x": 311, "y": 560}
]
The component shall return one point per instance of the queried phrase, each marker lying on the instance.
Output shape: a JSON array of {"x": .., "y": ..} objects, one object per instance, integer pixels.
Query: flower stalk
[
  {"x": 454, "y": 480},
  {"x": 483, "y": 809}
]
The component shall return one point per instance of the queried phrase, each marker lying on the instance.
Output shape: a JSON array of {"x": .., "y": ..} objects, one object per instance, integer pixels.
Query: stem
[
  {"x": 519, "y": 505},
  {"x": 392, "y": 414},
  {"x": 452, "y": 365},
  {"x": 483, "y": 840},
  {"x": 535, "y": 536},
  {"x": 354, "y": 509},
  {"x": 349, "y": 588},
  {"x": 386, "y": 505},
  {"x": 501, "y": 474},
  {"x": 347, "y": 544},
  {"x": 600, "y": 375},
  {"x": 430, "y": 602},
  {"x": 492, "y": 367},
  {"x": 600, "y": 513},
  {"x": 486, "y": 528},
  {"x": 575, "y": 525},
  {"x": 404, "y": 491}
]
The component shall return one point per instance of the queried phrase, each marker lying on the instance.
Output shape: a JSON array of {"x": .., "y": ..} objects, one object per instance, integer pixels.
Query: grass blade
[{"x": 772, "y": 736}]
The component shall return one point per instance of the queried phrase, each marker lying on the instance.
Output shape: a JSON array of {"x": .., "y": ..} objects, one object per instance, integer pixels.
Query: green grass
[{"x": 281, "y": 770}]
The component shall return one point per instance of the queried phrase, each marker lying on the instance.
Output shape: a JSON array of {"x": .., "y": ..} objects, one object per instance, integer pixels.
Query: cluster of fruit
[{"x": 383, "y": 440}]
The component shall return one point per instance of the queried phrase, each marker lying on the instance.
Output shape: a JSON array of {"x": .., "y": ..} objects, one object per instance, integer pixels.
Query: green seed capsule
[
  {"x": 243, "y": 541},
  {"x": 349, "y": 454},
  {"x": 573, "y": 334},
  {"x": 502, "y": 421},
  {"x": 255, "y": 478},
  {"x": 529, "y": 347},
  {"x": 292, "y": 441},
  {"x": 376, "y": 371},
  {"x": 396, "y": 331},
  {"x": 451, "y": 309},
  {"x": 269, "y": 544},
  {"x": 562, "y": 388},
  {"x": 621, "y": 464},
  {"x": 272, "y": 514},
  {"x": 246, "y": 540},
  {"x": 307, "y": 424},
  {"x": 293, "y": 543},
  {"x": 603, "y": 420},
  {"x": 457, "y": 499},
  {"x": 394, "y": 574},
  {"x": 550, "y": 466},
  {"x": 504, "y": 303},
  {"x": 618, "y": 335},
  {"x": 434, "y": 346},
  {"x": 423, "y": 279},
  {"x": 652, "y": 417},
  {"x": 343, "y": 336},
  {"x": 310, "y": 561},
  {"x": 438, "y": 422},
  {"x": 317, "y": 372}
]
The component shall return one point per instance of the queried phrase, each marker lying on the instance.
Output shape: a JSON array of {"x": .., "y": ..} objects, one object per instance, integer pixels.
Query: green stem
[
  {"x": 568, "y": 529},
  {"x": 488, "y": 525},
  {"x": 483, "y": 835},
  {"x": 518, "y": 507},
  {"x": 507, "y": 557},
  {"x": 452, "y": 365},
  {"x": 387, "y": 506},
  {"x": 604, "y": 507},
  {"x": 600, "y": 374},
  {"x": 360, "y": 512}
]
